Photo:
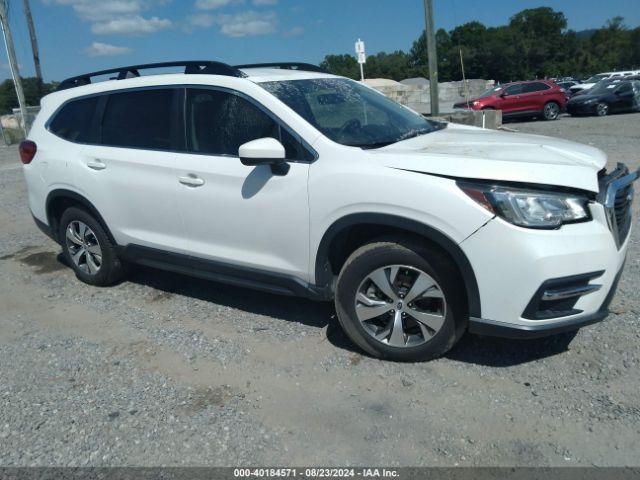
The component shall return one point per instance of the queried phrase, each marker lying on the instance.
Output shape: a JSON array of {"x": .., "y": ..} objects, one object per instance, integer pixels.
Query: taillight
[{"x": 28, "y": 150}]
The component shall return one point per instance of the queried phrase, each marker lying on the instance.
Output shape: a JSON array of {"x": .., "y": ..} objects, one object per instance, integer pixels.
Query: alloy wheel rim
[
  {"x": 552, "y": 110},
  {"x": 400, "y": 306},
  {"x": 602, "y": 109},
  {"x": 84, "y": 248}
]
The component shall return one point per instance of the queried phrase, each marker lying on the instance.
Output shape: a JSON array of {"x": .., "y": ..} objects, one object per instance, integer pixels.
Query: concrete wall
[{"x": 415, "y": 92}]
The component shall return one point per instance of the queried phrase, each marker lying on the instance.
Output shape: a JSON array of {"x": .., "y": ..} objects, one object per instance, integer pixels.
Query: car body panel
[{"x": 470, "y": 152}]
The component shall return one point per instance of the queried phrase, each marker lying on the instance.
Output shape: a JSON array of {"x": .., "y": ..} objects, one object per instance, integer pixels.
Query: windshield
[
  {"x": 595, "y": 78},
  {"x": 604, "y": 86},
  {"x": 349, "y": 113},
  {"x": 491, "y": 91}
]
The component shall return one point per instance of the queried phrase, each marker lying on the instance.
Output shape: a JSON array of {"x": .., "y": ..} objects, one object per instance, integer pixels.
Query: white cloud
[
  {"x": 131, "y": 25},
  {"x": 293, "y": 32},
  {"x": 201, "y": 20},
  {"x": 98, "y": 49},
  {"x": 265, "y": 2},
  {"x": 197, "y": 20},
  {"x": 117, "y": 16},
  {"x": 247, "y": 24},
  {"x": 212, "y": 4}
]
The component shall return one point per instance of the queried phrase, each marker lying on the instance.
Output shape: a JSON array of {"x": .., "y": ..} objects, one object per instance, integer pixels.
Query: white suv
[{"x": 284, "y": 178}]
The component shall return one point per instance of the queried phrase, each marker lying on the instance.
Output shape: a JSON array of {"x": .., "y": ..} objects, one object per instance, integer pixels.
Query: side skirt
[{"x": 221, "y": 272}]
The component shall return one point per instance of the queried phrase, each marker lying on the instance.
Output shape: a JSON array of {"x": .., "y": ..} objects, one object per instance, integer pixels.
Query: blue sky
[{"x": 77, "y": 36}]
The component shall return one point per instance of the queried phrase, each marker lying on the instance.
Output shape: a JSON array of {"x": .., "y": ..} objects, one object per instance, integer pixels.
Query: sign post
[{"x": 362, "y": 57}]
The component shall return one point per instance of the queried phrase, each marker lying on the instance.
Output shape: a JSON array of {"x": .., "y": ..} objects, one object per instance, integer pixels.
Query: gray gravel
[{"x": 169, "y": 370}]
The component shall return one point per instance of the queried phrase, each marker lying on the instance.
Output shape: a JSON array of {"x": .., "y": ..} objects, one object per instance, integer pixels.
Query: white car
[
  {"x": 284, "y": 178},
  {"x": 590, "y": 83}
]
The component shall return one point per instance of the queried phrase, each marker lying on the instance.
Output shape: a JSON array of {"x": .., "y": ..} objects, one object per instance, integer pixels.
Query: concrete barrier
[
  {"x": 491, "y": 119},
  {"x": 415, "y": 92}
]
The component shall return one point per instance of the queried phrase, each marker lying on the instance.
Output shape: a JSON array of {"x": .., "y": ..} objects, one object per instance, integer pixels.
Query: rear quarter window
[{"x": 74, "y": 121}]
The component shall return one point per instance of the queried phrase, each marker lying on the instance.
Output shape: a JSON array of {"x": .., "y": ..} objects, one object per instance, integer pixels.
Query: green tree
[
  {"x": 34, "y": 90},
  {"x": 344, "y": 65}
]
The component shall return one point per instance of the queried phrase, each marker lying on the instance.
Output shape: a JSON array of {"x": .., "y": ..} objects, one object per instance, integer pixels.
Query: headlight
[{"x": 530, "y": 208}]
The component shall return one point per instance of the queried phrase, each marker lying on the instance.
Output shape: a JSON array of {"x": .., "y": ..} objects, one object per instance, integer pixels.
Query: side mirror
[
  {"x": 265, "y": 151},
  {"x": 502, "y": 94}
]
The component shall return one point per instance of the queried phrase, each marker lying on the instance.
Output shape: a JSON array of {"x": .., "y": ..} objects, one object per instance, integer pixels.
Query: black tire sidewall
[
  {"x": 378, "y": 255},
  {"x": 111, "y": 267}
]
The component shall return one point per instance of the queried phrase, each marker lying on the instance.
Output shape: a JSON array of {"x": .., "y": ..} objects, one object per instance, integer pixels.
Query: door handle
[
  {"x": 96, "y": 165},
  {"x": 191, "y": 181}
]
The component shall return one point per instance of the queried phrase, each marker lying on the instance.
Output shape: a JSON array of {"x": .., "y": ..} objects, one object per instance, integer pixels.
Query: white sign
[{"x": 362, "y": 56}]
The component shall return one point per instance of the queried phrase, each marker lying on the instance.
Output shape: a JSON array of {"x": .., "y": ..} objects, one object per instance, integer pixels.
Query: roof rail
[
  {"x": 191, "y": 67},
  {"x": 306, "y": 67}
]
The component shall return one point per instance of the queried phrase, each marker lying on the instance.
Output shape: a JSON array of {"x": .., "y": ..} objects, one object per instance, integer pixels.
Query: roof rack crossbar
[
  {"x": 191, "y": 67},
  {"x": 306, "y": 67}
]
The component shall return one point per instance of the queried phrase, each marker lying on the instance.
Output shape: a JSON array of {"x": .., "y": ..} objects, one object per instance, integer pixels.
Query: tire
[
  {"x": 602, "y": 109},
  {"x": 415, "y": 341},
  {"x": 88, "y": 250},
  {"x": 551, "y": 111}
]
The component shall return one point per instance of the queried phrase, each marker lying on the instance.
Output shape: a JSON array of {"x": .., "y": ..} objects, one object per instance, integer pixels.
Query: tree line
[{"x": 536, "y": 43}]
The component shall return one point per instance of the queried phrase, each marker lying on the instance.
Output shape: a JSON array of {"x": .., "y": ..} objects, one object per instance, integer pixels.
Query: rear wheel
[
  {"x": 400, "y": 301},
  {"x": 551, "y": 111},
  {"x": 602, "y": 109},
  {"x": 88, "y": 250}
]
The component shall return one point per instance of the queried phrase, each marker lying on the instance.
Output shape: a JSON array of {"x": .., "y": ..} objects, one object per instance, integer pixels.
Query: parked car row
[{"x": 547, "y": 100}]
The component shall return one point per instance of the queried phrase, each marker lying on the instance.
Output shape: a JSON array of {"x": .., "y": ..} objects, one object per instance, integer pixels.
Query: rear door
[
  {"x": 129, "y": 172},
  {"x": 534, "y": 96}
]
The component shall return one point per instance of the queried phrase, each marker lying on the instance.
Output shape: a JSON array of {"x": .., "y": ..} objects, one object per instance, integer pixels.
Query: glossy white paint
[
  {"x": 262, "y": 148},
  {"x": 214, "y": 207}
]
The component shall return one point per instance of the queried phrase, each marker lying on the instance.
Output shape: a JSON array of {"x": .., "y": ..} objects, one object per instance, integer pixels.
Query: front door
[
  {"x": 511, "y": 99},
  {"x": 235, "y": 214}
]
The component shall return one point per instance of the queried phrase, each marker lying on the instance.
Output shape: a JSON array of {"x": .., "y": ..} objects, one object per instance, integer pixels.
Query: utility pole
[
  {"x": 13, "y": 63},
  {"x": 34, "y": 40},
  {"x": 433, "y": 56}
]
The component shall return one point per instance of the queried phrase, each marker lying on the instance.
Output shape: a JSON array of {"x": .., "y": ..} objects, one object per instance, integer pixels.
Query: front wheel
[
  {"x": 551, "y": 111},
  {"x": 401, "y": 301},
  {"x": 602, "y": 109}
]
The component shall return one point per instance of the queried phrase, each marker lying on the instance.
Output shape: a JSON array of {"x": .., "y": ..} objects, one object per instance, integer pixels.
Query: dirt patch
[{"x": 44, "y": 262}]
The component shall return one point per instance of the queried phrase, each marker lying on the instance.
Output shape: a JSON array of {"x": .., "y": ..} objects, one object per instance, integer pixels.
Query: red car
[{"x": 538, "y": 98}]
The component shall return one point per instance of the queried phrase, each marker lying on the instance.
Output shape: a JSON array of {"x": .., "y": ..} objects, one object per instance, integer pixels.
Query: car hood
[
  {"x": 587, "y": 96},
  {"x": 474, "y": 153}
]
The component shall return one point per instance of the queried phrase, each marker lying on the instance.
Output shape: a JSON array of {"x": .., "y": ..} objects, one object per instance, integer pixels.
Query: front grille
[{"x": 616, "y": 194}]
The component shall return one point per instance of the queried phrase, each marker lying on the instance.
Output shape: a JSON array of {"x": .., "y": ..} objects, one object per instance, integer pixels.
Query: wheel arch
[
  {"x": 341, "y": 228},
  {"x": 60, "y": 199}
]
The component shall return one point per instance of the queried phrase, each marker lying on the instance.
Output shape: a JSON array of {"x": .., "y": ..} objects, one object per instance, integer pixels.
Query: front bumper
[
  {"x": 581, "y": 108},
  {"x": 491, "y": 328},
  {"x": 513, "y": 263}
]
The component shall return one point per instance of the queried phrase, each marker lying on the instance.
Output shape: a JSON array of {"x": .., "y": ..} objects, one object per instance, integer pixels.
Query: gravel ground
[{"x": 169, "y": 370}]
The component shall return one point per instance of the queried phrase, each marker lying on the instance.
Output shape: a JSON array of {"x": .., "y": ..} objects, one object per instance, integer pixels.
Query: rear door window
[
  {"x": 75, "y": 121},
  {"x": 141, "y": 119},
  {"x": 534, "y": 87}
]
